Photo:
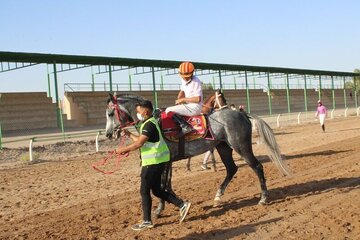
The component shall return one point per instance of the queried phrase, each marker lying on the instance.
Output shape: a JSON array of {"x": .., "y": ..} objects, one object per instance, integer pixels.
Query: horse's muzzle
[{"x": 108, "y": 135}]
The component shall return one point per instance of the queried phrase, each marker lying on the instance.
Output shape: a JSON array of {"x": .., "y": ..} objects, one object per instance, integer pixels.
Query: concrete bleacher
[
  {"x": 339, "y": 98},
  {"x": 36, "y": 111},
  {"x": 297, "y": 99},
  {"x": 25, "y": 111},
  {"x": 88, "y": 108},
  {"x": 258, "y": 100}
]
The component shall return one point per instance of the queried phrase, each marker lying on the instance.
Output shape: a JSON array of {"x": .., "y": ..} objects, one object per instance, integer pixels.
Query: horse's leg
[
  {"x": 225, "y": 153},
  {"x": 213, "y": 161},
  {"x": 188, "y": 164},
  {"x": 166, "y": 185},
  {"x": 164, "y": 177},
  {"x": 257, "y": 167}
]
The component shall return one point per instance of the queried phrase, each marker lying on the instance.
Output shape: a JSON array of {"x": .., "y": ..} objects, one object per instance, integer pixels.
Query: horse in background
[{"x": 232, "y": 131}]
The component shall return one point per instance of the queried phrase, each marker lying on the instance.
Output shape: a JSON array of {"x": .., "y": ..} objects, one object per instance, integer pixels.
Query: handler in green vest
[{"x": 154, "y": 155}]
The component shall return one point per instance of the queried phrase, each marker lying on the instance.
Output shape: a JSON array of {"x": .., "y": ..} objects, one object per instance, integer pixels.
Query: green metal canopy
[
  {"x": 37, "y": 58},
  {"x": 15, "y": 60}
]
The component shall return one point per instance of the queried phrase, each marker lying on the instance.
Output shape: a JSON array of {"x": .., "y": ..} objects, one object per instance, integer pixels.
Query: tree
[
  {"x": 350, "y": 84},
  {"x": 207, "y": 86},
  {"x": 357, "y": 80}
]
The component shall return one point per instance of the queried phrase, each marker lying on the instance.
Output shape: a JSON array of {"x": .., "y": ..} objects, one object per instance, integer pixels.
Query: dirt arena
[{"x": 62, "y": 197}]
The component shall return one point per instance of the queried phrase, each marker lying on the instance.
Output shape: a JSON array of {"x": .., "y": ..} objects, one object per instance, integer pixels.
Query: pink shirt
[{"x": 321, "y": 110}]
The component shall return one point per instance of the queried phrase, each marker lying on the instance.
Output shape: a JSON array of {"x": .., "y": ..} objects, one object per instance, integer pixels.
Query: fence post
[
  {"x": 31, "y": 148},
  {"x": 298, "y": 118},
  {"x": 62, "y": 124},
  {"x": 0, "y": 137},
  {"x": 346, "y": 109},
  {"x": 278, "y": 121},
  {"x": 332, "y": 114},
  {"x": 97, "y": 141},
  {"x": 357, "y": 111}
]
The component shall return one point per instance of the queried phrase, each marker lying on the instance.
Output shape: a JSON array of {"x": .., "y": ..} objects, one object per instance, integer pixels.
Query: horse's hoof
[
  {"x": 157, "y": 214},
  {"x": 262, "y": 202},
  {"x": 217, "y": 203}
]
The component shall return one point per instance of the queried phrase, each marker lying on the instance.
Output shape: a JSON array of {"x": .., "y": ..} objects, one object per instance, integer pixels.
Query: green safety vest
[{"x": 154, "y": 153}]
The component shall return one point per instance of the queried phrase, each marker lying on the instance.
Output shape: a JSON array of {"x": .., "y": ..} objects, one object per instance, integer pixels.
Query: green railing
[{"x": 92, "y": 87}]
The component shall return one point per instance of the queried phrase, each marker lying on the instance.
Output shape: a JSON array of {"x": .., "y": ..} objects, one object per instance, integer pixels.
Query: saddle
[{"x": 171, "y": 130}]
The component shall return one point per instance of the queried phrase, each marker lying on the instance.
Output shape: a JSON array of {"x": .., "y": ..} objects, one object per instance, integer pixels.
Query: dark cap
[{"x": 145, "y": 104}]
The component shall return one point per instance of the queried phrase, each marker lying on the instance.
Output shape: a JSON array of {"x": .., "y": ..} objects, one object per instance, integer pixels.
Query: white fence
[{"x": 285, "y": 119}]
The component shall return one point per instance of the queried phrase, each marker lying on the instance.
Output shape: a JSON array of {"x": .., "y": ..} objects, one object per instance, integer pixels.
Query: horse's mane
[{"x": 130, "y": 97}]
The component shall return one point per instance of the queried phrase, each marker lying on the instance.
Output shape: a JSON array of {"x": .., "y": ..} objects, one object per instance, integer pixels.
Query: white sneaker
[
  {"x": 184, "y": 211},
  {"x": 142, "y": 226}
]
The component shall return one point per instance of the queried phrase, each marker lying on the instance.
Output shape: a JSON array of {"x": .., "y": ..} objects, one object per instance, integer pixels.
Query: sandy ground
[{"x": 62, "y": 197}]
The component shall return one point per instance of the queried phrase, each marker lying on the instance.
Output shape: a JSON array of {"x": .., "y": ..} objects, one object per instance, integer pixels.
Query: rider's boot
[{"x": 185, "y": 127}]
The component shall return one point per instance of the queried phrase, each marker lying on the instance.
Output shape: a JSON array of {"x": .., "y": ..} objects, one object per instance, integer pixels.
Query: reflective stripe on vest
[{"x": 154, "y": 153}]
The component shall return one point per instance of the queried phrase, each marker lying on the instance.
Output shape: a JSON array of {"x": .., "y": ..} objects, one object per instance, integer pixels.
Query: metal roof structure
[
  {"x": 27, "y": 59},
  {"x": 10, "y": 61}
]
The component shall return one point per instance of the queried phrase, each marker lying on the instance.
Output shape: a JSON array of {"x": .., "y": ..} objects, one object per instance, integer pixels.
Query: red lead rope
[
  {"x": 110, "y": 155},
  {"x": 113, "y": 153}
]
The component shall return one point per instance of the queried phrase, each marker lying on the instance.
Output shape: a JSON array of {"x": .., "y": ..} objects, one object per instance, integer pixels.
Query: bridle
[
  {"x": 121, "y": 114},
  {"x": 213, "y": 102},
  {"x": 217, "y": 101}
]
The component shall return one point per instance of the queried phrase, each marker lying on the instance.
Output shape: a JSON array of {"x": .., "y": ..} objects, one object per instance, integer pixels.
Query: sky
[{"x": 308, "y": 34}]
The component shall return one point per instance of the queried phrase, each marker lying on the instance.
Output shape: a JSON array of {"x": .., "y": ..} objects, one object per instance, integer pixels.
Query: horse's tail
[{"x": 267, "y": 136}]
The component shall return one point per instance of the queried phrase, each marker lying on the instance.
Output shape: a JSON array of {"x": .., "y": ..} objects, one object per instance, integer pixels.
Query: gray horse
[{"x": 232, "y": 130}]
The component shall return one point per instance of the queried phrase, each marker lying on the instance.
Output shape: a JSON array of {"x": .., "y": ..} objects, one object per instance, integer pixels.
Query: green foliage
[
  {"x": 207, "y": 86},
  {"x": 350, "y": 84}
]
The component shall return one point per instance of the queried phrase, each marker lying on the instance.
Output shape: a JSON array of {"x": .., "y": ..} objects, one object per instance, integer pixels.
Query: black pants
[{"x": 151, "y": 180}]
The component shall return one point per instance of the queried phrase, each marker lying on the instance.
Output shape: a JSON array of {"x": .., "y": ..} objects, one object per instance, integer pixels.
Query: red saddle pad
[{"x": 171, "y": 129}]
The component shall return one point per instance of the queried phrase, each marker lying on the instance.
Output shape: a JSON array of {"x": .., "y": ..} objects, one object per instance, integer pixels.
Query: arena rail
[
  {"x": 278, "y": 120},
  {"x": 283, "y": 119},
  {"x": 332, "y": 113},
  {"x": 63, "y": 137}
]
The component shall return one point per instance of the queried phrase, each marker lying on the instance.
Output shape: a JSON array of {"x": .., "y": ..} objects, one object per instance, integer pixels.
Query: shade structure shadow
[{"x": 280, "y": 194}]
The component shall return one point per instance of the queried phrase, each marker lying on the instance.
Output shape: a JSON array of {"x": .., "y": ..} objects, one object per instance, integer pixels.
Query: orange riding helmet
[{"x": 186, "y": 69}]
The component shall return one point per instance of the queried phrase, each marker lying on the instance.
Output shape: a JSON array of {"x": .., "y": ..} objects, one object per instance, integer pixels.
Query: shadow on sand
[
  {"x": 277, "y": 195},
  {"x": 229, "y": 232}
]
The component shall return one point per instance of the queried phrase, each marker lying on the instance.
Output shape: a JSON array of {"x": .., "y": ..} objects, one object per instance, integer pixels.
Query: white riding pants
[
  {"x": 189, "y": 109},
  {"x": 322, "y": 118}
]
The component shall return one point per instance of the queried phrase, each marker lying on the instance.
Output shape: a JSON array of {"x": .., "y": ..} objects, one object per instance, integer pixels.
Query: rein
[
  {"x": 110, "y": 155},
  {"x": 217, "y": 101},
  {"x": 214, "y": 102},
  {"x": 119, "y": 112}
]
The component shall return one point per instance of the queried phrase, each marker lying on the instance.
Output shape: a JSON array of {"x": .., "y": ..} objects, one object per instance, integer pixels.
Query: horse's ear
[{"x": 111, "y": 98}]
